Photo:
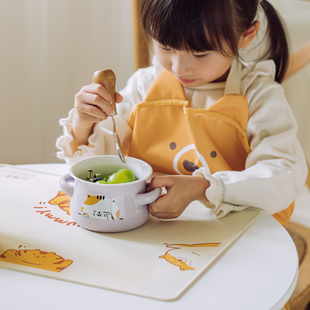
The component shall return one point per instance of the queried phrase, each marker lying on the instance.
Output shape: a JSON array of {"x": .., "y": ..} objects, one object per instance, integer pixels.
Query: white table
[{"x": 258, "y": 272}]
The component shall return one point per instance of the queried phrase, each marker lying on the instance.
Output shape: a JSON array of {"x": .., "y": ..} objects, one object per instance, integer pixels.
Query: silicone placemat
[{"x": 159, "y": 260}]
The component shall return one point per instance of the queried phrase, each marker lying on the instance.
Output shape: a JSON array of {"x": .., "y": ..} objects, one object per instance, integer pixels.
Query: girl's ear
[{"x": 248, "y": 36}]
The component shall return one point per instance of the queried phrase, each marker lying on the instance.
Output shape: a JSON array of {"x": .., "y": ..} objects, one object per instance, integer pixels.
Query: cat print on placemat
[
  {"x": 184, "y": 256},
  {"x": 62, "y": 200},
  {"x": 36, "y": 258}
]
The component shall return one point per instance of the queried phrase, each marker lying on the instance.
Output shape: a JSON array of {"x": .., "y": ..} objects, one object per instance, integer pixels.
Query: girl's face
[{"x": 193, "y": 69}]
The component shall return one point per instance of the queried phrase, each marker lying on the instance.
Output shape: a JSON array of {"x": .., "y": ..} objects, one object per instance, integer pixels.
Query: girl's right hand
[{"x": 92, "y": 105}]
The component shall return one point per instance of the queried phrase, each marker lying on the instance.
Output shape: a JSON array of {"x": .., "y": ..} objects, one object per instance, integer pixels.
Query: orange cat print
[{"x": 36, "y": 259}]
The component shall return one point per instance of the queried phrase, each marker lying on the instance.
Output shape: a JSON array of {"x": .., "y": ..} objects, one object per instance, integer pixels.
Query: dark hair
[{"x": 202, "y": 25}]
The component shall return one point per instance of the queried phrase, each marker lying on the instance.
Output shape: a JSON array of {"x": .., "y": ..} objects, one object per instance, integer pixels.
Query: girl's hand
[
  {"x": 181, "y": 191},
  {"x": 92, "y": 105}
]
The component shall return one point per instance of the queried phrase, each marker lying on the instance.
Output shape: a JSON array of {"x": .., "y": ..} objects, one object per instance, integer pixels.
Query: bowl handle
[
  {"x": 149, "y": 197},
  {"x": 65, "y": 186}
]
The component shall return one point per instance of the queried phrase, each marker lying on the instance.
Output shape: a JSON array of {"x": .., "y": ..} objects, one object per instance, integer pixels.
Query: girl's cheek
[{"x": 164, "y": 61}]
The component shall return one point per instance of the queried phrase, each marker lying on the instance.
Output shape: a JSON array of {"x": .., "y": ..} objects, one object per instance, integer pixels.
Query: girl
[{"x": 218, "y": 126}]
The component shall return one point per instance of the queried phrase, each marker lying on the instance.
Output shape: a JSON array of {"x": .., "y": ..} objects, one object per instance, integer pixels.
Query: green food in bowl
[
  {"x": 121, "y": 176},
  {"x": 101, "y": 182},
  {"x": 105, "y": 177}
]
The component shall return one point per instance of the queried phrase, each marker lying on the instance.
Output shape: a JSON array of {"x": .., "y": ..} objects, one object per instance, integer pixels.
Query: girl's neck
[{"x": 222, "y": 78}]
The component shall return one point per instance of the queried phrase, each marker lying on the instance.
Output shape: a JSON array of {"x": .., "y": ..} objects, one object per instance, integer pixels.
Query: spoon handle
[{"x": 108, "y": 80}]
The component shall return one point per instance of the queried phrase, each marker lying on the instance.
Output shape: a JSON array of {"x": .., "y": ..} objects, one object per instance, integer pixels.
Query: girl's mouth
[{"x": 186, "y": 81}]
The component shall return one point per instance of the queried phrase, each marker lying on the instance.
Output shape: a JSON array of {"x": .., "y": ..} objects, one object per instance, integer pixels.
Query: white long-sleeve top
[{"x": 275, "y": 169}]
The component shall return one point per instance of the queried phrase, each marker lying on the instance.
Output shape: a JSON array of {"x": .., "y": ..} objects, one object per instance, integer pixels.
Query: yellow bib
[{"x": 176, "y": 139}]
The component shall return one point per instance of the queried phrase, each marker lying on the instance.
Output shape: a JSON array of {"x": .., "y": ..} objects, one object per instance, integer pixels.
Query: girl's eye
[
  {"x": 165, "y": 48},
  {"x": 201, "y": 56}
]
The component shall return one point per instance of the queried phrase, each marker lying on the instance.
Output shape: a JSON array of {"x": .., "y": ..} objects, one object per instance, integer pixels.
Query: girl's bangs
[
  {"x": 190, "y": 29},
  {"x": 181, "y": 37}
]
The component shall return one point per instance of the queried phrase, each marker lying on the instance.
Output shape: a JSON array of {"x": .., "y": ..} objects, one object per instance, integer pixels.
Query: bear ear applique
[
  {"x": 234, "y": 106},
  {"x": 166, "y": 86}
]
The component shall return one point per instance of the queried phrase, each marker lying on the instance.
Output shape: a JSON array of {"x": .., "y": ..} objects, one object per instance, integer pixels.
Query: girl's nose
[{"x": 180, "y": 65}]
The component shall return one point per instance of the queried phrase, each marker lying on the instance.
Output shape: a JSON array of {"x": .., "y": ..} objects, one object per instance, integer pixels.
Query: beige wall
[
  {"x": 297, "y": 88},
  {"x": 50, "y": 48}
]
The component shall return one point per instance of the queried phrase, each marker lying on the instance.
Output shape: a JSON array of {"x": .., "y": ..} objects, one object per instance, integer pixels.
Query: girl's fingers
[
  {"x": 95, "y": 94},
  {"x": 99, "y": 102},
  {"x": 161, "y": 181},
  {"x": 118, "y": 97},
  {"x": 100, "y": 90},
  {"x": 159, "y": 204},
  {"x": 93, "y": 104},
  {"x": 165, "y": 208},
  {"x": 86, "y": 118},
  {"x": 88, "y": 113}
]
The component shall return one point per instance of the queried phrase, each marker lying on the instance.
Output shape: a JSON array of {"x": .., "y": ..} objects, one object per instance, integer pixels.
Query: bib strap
[{"x": 233, "y": 83}]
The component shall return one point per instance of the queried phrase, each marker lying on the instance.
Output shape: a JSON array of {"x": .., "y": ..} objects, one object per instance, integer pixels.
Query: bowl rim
[{"x": 110, "y": 156}]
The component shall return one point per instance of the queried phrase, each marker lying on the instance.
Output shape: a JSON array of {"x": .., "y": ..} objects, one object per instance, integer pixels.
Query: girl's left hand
[{"x": 181, "y": 191}]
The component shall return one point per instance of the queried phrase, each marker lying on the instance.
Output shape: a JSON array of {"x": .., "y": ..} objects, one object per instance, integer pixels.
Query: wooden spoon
[{"x": 108, "y": 80}]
